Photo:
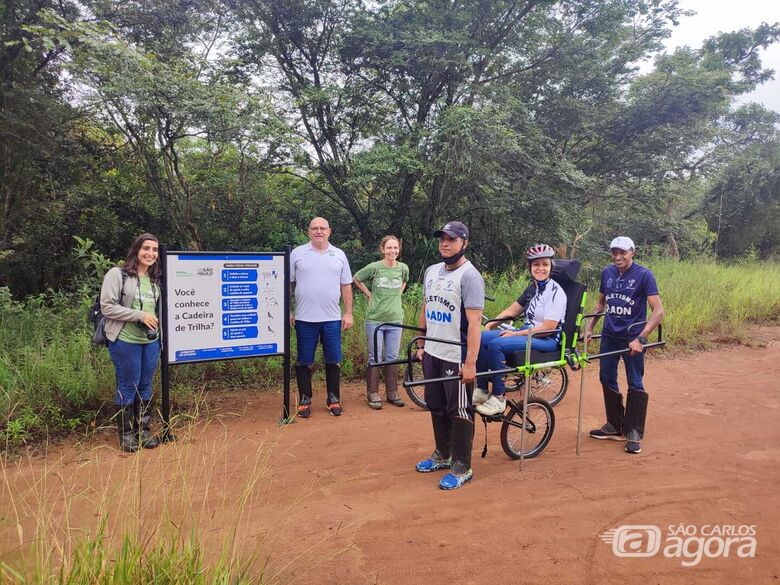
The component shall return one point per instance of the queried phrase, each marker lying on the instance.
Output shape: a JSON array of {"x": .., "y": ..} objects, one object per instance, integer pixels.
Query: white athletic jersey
[
  {"x": 549, "y": 303},
  {"x": 318, "y": 277},
  {"x": 447, "y": 295}
]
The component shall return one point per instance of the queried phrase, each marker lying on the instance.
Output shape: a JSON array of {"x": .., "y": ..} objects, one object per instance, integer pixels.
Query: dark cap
[{"x": 453, "y": 229}]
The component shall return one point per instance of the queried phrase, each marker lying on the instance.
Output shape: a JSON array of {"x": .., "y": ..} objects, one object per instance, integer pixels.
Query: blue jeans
[
  {"x": 135, "y": 364},
  {"x": 608, "y": 366},
  {"x": 388, "y": 338},
  {"x": 494, "y": 351},
  {"x": 308, "y": 334}
]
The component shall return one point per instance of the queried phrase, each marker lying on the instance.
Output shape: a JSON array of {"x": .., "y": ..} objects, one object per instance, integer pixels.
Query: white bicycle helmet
[{"x": 539, "y": 251}]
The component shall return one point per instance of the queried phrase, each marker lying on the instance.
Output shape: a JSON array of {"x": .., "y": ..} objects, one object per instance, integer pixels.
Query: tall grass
[
  {"x": 180, "y": 515},
  {"x": 704, "y": 300},
  {"x": 166, "y": 560},
  {"x": 52, "y": 379},
  {"x": 50, "y": 375}
]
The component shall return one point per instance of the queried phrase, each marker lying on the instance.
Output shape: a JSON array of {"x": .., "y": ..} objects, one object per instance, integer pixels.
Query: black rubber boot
[
  {"x": 372, "y": 389},
  {"x": 613, "y": 404},
  {"x": 391, "y": 386},
  {"x": 128, "y": 439},
  {"x": 333, "y": 385},
  {"x": 462, "y": 439},
  {"x": 303, "y": 379},
  {"x": 613, "y": 429},
  {"x": 142, "y": 409},
  {"x": 441, "y": 436},
  {"x": 634, "y": 421}
]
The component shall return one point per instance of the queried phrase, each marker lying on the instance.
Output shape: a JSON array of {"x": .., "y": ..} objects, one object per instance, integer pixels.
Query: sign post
[
  {"x": 223, "y": 306},
  {"x": 286, "y": 414}
]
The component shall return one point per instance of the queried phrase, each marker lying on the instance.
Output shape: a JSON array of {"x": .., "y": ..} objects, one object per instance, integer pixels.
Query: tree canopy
[{"x": 227, "y": 124}]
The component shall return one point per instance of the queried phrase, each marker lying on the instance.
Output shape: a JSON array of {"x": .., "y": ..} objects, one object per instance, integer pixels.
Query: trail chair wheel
[
  {"x": 540, "y": 424},
  {"x": 550, "y": 384},
  {"x": 417, "y": 395}
]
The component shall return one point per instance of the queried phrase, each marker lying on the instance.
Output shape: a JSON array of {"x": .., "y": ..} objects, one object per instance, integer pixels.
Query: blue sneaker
[
  {"x": 429, "y": 465},
  {"x": 453, "y": 482}
]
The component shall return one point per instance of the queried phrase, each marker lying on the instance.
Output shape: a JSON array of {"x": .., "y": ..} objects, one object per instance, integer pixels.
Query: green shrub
[{"x": 53, "y": 380}]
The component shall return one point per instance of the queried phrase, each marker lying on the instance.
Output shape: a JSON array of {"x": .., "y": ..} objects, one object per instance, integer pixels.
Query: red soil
[{"x": 337, "y": 500}]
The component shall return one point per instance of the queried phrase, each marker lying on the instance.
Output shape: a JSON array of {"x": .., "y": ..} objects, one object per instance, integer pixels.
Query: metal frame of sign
[{"x": 167, "y": 435}]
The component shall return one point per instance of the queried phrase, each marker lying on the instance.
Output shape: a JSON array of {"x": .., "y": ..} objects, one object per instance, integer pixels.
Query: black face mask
[{"x": 453, "y": 259}]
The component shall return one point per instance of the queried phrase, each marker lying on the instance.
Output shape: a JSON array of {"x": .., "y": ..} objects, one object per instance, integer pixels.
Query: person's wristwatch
[{"x": 642, "y": 340}]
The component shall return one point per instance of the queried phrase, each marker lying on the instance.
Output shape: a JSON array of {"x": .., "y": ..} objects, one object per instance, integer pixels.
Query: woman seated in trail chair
[{"x": 544, "y": 303}]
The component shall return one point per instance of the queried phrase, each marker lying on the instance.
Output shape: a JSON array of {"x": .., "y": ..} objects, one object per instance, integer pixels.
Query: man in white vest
[{"x": 453, "y": 299}]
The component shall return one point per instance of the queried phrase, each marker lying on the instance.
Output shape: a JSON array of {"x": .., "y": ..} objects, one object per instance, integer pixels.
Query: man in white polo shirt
[{"x": 320, "y": 277}]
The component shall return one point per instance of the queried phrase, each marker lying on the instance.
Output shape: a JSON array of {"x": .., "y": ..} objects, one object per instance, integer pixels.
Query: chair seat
[{"x": 517, "y": 358}]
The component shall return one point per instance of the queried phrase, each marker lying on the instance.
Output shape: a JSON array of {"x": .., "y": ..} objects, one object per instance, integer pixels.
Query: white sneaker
[
  {"x": 494, "y": 405},
  {"x": 479, "y": 396}
]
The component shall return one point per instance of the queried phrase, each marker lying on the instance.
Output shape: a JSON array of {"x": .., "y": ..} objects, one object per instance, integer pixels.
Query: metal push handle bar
[
  {"x": 408, "y": 383},
  {"x": 496, "y": 319},
  {"x": 531, "y": 335},
  {"x": 376, "y": 344},
  {"x": 659, "y": 343},
  {"x": 412, "y": 383},
  {"x": 591, "y": 316}
]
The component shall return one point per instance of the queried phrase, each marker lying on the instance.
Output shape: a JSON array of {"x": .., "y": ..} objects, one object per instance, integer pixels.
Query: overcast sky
[{"x": 713, "y": 16}]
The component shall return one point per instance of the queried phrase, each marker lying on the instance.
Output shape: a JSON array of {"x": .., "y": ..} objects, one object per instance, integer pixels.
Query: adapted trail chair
[
  {"x": 538, "y": 371},
  {"x": 547, "y": 370},
  {"x": 533, "y": 415}
]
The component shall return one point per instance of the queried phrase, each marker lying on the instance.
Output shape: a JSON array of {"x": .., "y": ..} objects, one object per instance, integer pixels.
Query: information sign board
[{"x": 224, "y": 305}]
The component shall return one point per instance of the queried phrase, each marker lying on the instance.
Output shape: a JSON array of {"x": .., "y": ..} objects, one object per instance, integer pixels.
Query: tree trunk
[{"x": 671, "y": 243}]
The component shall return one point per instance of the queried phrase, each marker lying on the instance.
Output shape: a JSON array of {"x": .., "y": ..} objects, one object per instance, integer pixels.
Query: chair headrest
[{"x": 565, "y": 271}]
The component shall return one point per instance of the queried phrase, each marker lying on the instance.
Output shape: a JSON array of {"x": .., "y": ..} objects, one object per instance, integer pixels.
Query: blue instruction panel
[{"x": 224, "y": 305}]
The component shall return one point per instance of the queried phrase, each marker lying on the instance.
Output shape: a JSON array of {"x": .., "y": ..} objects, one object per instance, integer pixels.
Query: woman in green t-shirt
[
  {"x": 129, "y": 300},
  {"x": 383, "y": 282}
]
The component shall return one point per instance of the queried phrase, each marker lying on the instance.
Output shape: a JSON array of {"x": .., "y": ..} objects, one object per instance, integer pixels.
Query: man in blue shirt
[{"x": 626, "y": 290}]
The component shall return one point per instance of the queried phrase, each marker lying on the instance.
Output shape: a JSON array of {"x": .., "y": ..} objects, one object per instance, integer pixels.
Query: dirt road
[{"x": 337, "y": 500}]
